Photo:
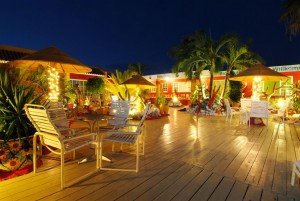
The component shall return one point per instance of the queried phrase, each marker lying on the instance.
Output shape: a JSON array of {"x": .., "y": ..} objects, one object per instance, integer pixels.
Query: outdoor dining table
[{"x": 93, "y": 120}]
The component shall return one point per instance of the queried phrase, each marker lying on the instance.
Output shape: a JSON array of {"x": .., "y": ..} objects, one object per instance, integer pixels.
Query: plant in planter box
[
  {"x": 161, "y": 103},
  {"x": 15, "y": 127},
  {"x": 96, "y": 87}
]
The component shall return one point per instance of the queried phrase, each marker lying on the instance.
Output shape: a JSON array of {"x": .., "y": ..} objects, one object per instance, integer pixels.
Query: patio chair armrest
[
  {"x": 236, "y": 108},
  {"x": 80, "y": 136},
  {"x": 110, "y": 132}
]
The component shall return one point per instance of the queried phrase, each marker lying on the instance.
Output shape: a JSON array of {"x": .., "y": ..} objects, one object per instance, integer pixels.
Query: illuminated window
[
  {"x": 176, "y": 86},
  {"x": 286, "y": 89},
  {"x": 164, "y": 87},
  {"x": 81, "y": 85},
  {"x": 153, "y": 90}
]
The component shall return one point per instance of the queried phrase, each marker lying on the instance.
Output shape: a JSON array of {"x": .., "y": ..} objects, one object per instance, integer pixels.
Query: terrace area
[{"x": 187, "y": 157}]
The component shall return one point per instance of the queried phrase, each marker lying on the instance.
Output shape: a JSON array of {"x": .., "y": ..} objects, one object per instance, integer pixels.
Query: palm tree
[
  {"x": 137, "y": 68},
  {"x": 188, "y": 58},
  {"x": 239, "y": 57},
  {"x": 203, "y": 52},
  {"x": 291, "y": 16}
]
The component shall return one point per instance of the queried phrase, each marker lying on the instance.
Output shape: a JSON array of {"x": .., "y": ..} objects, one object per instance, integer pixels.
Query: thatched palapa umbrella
[
  {"x": 57, "y": 61},
  {"x": 256, "y": 74},
  {"x": 137, "y": 81},
  {"x": 53, "y": 57},
  {"x": 259, "y": 70}
]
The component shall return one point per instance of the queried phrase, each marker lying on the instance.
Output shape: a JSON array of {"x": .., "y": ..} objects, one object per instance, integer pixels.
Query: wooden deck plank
[
  {"x": 185, "y": 159},
  {"x": 222, "y": 190},
  {"x": 163, "y": 185},
  {"x": 253, "y": 193},
  {"x": 189, "y": 190},
  {"x": 207, "y": 188},
  {"x": 151, "y": 182},
  {"x": 238, "y": 191},
  {"x": 254, "y": 174},
  {"x": 183, "y": 181},
  {"x": 268, "y": 195}
]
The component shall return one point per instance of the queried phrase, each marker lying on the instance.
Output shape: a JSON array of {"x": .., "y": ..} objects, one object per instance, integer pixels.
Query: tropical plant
[
  {"x": 291, "y": 16},
  {"x": 95, "y": 86},
  {"x": 69, "y": 95},
  {"x": 235, "y": 92},
  {"x": 13, "y": 97},
  {"x": 188, "y": 58},
  {"x": 161, "y": 100},
  {"x": 137, "y": 68},
  {"x": 201, "y": 52},
  {"x": 114, "y": 84},
  {"x": 239, "y": 57}
]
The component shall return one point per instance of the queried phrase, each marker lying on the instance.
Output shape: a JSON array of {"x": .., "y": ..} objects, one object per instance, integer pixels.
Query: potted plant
[
  {"x": 15, "y": 127},
  {"x": 69, "y": 95},
  {"x": 162, "y": 103},
  {"x": 96, "y": 87}
]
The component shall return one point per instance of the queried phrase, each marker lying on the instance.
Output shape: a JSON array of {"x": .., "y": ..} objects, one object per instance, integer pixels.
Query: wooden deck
[{"x": 187, "y": 158}]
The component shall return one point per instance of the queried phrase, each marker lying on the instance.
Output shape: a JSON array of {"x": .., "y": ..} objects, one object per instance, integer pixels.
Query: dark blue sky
[{"x": 115, "y": 33}]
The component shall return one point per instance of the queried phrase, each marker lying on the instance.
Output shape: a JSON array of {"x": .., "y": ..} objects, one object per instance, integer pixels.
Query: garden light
[{"x": 53, "y": 82}]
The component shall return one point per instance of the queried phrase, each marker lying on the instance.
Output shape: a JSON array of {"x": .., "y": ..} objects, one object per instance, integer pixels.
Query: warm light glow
[
  {"x": 133, "y": 111},
  {"x": 256, "y": 88},
  {"x": 257, "y": 79},
  {"x": 114, "y": 98},
  {"x": 53, "y": 82},
  {"x": 280, "y": 103},
  {"x": 167, "y": 79},
  {"x": 175, "y": 99}
]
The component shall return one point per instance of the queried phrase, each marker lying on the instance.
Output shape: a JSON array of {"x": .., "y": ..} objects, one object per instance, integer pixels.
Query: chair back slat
[
  {"x": 39, "y": 117},
  {"x": 119, "y": 109},
  {"x": 57, "y": 113},
  {"x": 259, "y": 109}
]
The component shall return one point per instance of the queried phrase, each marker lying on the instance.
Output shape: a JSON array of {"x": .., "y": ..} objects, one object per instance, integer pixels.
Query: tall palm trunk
[
  {"x": 226, "y": 80},
  {"x": 211, "y": 80}
]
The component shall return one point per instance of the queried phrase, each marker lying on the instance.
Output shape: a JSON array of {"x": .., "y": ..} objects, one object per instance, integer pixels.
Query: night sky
[{"x": 114, "y": 33}]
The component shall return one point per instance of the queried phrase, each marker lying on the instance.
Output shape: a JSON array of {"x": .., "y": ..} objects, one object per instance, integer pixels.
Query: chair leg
[
  {"x": 293, "y": 175},
  {"x": 34, "y": 153},
  {"x": 62, "y": 164},
  {"x": 137, "y": 155},
  {"x": 98, "y": 159},
  {"x": 100, "y": 154}
]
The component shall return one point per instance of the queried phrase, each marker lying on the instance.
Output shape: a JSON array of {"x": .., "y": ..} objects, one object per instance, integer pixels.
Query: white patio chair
[
  {"x": 129, "y": 134},
  {"x": 58, "y": 141},
  {"x": 230, "y": 111},
  {"x": 59, "y": 118},
  {"x": 245, "y": 109},
  {"x": 120, "y": 110},
  {"x": 259, "y": 109},
  {"x": 295, "y": 171}
]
